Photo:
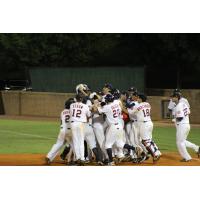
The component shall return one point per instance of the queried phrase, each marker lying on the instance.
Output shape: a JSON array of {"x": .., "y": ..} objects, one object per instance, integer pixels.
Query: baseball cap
[
  {"x": 109, "y": 86},
  {"x": 143, "y": 97},
  {"x": 132, "y": 89},
  {"x": 176, "y": 93}
]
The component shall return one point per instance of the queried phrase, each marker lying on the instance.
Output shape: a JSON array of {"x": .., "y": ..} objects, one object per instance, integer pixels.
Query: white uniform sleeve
[
  {"x": 187, "y": 103},
  {"x": 89, "y": 104},
  {"x": 171, "y": 105},
  {"x": 132, "y": 110},
  {"x": 102, "y": 109},
  {"x": 88, "y": 112}
]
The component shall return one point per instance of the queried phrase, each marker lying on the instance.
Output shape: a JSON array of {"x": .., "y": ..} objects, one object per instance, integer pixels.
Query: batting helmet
[
  {"x": 109, "y": 98},
  {"x": 176, "y": 93},
  {"x": 109, "y": 86},
  {"x": 132, "y": 89},
  {"x": 116, "y": 93}
]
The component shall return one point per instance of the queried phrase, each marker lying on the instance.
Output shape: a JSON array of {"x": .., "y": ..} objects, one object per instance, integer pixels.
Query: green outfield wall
[{"x": 66, "y": 79}]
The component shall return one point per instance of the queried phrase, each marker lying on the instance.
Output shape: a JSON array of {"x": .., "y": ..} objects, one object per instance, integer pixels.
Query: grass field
[{"x": 20, "y": 136}]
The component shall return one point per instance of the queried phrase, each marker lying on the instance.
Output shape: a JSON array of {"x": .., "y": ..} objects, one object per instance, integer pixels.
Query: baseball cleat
[
  {"x": 99, "y": 163},
  {"x": 111, "y": 163},
  {"x": 184, "y": 160},
  {"x": 135, "y": 160},
  {"x": 80, "y": 162},
  {"x": 122, "y": 159},
  {"x": 47, "y": 161},
  {"x": 106, "y": 161},
  {"x": 127, "y": 158},
  {"x": 198, "y": 153},
  {"x": 156, "y": 158},
  {"x": 142, "y": 159},
  {"x": 71, "y": 163}
]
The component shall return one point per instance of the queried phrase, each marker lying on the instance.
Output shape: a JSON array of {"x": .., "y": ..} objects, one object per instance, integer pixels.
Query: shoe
[
  {"x": 127, "y": 158},
  {"x": 135, "y": 160},
  {"x": 62, "y": 157},
  {"x": 47, "y": 161},
  {"x": 184, "y": 160},
  {"x": 122, "y": 159},
  {"x": 86, "y": 161},
  {"x": 142, "y": 158},
  {"x": 156, "y": 158},
  {"x": 80, "y": 162},
  {"x": 71, "y": 163},
  {"x": 99, "y": 163},
  {"x": 111, "y": 163},
  {"x": 198, "y": 153},
  {"x": 106, "y": 161}
]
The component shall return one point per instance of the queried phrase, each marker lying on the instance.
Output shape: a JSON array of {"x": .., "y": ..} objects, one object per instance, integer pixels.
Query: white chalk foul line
[{"x": 27, "y": 134}]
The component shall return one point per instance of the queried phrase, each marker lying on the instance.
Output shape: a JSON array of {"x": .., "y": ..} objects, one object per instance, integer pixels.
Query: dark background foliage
[{"x": 171, "y": 60}]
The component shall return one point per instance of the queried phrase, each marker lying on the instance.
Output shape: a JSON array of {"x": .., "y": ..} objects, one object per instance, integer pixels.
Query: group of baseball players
[{"x": 110, "y": 127}]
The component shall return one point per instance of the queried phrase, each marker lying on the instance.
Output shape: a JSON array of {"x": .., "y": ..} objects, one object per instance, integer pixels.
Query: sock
[
  {"x": 109, "y": 152},
  {"x": 65, "y": 152}
]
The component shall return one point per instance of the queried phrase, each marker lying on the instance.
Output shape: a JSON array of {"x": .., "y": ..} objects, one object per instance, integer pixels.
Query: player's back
[
  {"x": 143, "y": 112},
  {"x": 182, "y": 111},
  {"x": 65, "y": 117},
  {"x": 79, "y": 112},
  {"x": 184, "y": 100},
  {"x": 113, "y": 113}
]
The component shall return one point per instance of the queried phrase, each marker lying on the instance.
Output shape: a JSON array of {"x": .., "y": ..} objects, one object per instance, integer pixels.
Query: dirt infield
[{"x": 167, "y": 159}]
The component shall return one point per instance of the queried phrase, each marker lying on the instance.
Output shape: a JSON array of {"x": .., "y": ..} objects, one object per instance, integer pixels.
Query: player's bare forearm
[{"x": 124, "y": 109}]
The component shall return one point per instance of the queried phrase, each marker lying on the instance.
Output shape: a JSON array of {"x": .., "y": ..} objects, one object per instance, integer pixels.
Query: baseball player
[
  {"x": 145, "y": 126},
  {"x": 98, "y": 127},
  {"x": 106, "y": 90},
  {"x": 89, "y": 134},
  {"x": 172, "y": 104},
  {"x": 114, "y": 132},
  {"x": 64, "y": 134},
  {"x": 133, "y": 133},
  {"x": 181, "y": 115},
  {"x": 82, "y": 130},
  {"x": 79, "y": 115}
]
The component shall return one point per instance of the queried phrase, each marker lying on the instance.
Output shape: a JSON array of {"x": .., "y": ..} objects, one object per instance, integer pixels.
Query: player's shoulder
[
  {"x": 65, "y": 111},
  {"x": 146, "y": 104},
  {"x": 180, "y": 105}
]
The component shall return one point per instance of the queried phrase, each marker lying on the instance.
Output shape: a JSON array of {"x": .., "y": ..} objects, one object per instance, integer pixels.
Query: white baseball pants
[{"x": 182, "y": 131}]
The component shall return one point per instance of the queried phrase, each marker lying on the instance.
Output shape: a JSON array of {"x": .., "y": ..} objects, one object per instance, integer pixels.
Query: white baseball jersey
[
  {"x": 132, "y": 115},
  {"x": 142, "y": 112},
  {"x": 65, "y": 117},
  {"x": 172, "y": 104},
  {"x": 97, "y": 118},
  {"x": 182, "y": 110},
  {"x": 112, "y": 112},
  {"x": 79, "y": 112}
]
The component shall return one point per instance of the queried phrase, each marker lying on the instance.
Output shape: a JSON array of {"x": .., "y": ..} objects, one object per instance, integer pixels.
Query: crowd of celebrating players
[
  {"x": 110, "y": 127},
  {"x": 105, "y": 128}
]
